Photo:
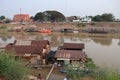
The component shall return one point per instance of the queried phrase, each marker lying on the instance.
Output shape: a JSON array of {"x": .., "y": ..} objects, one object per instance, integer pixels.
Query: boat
[
  {"x": 44, "y": 31},
  {"x": 69, "y": 30}
]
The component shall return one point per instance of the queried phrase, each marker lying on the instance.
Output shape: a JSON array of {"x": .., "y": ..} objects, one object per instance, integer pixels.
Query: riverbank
[
  {"x": 110, "y": 27},
  {"x": 97, "y": 46}
]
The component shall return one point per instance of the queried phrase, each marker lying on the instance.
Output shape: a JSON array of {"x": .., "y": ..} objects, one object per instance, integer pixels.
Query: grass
[
  {"x": 3, "y": 27},
  {"x": 106, "y": 74}
]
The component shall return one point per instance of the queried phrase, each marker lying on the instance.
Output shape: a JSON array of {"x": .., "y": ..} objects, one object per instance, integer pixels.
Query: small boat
[
  {"x": 44, "y": 31},
  {"x": 69, "y": 30}
]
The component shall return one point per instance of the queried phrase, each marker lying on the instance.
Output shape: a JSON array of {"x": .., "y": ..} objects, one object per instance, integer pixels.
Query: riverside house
[
  {"x": 70, "y": 52},
  {"x": 29, "y": 49}
]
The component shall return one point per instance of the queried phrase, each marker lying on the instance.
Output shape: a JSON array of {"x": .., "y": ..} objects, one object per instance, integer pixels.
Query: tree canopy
[
  {"x": 52, "y": 16},
  {"x": 2, "y": 17},
  {"x": 104, "y": 17},
  {"x": 11, "y": 69}
]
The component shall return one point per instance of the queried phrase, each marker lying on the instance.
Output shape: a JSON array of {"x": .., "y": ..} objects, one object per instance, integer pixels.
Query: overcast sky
[{"x": 67, "y": 7}]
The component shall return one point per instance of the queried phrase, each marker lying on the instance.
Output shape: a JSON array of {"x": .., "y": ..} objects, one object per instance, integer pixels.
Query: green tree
[
  {"x": 39, "y": 17},
  {"x": 97, "y": 18},
  {"x": 107, "y": 17},
  {"x": 54, "y": 16},
  {"x": 11, "y": 69},
  {"x": 2, "y": 17},
  {"x": 31, "y": 17},
  {"x": 49, "y": 16},
  {"x": 7, "y": 21}
]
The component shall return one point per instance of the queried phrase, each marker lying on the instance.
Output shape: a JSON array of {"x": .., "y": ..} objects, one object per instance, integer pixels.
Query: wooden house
[
  {"x": 70, "y": 55},
  {"x": 30, "y": 49},
  {"x": 45, "y": 43}
]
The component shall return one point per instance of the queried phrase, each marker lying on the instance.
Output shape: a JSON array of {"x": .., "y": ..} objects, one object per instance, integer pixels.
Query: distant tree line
[
  {"x": 106, "y": 17},
  {"x": 51, "y": 16},
  {"x": 3, "y": 19}
]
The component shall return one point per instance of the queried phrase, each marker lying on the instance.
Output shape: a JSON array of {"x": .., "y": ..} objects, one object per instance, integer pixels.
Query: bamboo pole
[{"x": 50, "y": 72}]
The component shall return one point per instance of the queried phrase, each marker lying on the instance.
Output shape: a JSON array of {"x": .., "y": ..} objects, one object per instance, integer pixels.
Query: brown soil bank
[
  {"x": 62, "y": 24},
  {"x": 70, "y": 24}
]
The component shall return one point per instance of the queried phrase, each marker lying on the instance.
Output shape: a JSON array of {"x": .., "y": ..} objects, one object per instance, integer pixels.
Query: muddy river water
[{"x": 103, "y": 49}]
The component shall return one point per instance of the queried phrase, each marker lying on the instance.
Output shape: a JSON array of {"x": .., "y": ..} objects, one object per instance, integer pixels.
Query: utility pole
[{"x": 20, "y": 10}]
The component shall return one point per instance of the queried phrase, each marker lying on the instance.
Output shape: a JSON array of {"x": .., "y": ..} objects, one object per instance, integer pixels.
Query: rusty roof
[
  {"x": 40, "y": 42},
  {"x": 3, "y": 45},
  {"x": 75, "y": 46},
  {"x": 22, "y": 50},
  {"x": 70, "y": 54},
  {"x": 22, "y": 42}
]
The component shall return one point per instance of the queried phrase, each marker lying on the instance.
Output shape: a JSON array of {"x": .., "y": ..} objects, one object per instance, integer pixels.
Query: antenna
[{"x": 20, "y": 10}]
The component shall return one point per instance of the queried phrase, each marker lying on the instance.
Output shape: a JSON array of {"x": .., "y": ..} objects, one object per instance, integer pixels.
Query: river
[{"x": 102, "y": 48}]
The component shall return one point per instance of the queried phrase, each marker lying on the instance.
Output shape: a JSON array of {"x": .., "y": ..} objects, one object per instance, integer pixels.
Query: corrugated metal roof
[
  {"x": 23, "y": 42},
  {"x": 3, "y": 45},
  {"x": 70, "y": 54},
  {"x": 73, "y": 46},
  {"x": 20, "y": 50},
  {"x": 40, "y": 42}
]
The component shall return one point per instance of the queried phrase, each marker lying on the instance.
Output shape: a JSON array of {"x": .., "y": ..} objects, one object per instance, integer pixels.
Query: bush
[
  {"x": 92, "y": 24},
  {"x": 81, "y": 24},
  {"x": 7, "y": 21},
  {"x": 11, "y": 69},
  {"x": 3, "y": 27}
]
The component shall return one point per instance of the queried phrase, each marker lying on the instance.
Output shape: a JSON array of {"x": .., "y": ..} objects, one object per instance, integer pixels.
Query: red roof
[
  {"x": 70, "y": 54},
  {"x": 21, "y": 17}
]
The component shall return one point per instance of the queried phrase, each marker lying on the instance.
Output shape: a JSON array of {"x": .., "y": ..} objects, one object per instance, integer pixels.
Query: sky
[{"x": 67, "y": 7}]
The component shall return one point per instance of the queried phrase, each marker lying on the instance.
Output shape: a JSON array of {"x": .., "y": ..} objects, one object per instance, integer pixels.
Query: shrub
[
  {"x": 11, "y": 69},
  {"x": 3, "y": 27},
  {"x": 81, "y": 24},
  {"x": 92, "y": 24},
  {"x": 89, "y": 63},
  {"x": 7, "y": 21}
]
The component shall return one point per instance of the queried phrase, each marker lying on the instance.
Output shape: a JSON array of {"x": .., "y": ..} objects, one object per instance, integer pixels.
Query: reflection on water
[
  {"x": 7, "y": 39},
  {"x": 105, "y": 51}
]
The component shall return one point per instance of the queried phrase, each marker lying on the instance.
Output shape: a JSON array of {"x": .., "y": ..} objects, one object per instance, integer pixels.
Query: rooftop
[{"x": 70, "y": 54}]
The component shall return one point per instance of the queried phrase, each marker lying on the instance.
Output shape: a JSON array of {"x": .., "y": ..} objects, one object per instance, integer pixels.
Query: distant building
[
  {"x": 21, "y": 18},
  {"x": 86, "y": 19},
  {"x": 78, "y": 19},
  {"x": 71, "y": 18}
]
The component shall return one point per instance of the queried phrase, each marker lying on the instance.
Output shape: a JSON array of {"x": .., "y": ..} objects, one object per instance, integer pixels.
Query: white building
[{"x": 86, "y": 19}]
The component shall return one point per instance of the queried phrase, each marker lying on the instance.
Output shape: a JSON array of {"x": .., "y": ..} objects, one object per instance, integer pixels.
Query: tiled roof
[
  {"x": 21, "y": 17},
  {"x": 75, "y": 46},
  {"x": 70, "y": 54}
]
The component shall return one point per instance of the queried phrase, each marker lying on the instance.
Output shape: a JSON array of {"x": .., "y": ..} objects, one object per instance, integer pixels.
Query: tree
[
  {"x": 107, "y": 17},
  {"x": 7, "y": 21},
  {"x": 104, "y": 17},
  {"x": 2, "y": 17},
  {"x": 31, "y": 17},
  {"x": 11, "y": 69},
  {"x": 39, "y": 17},
  {"x": 96, "y": 18},
  {"x": 54, "y": 16}
]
